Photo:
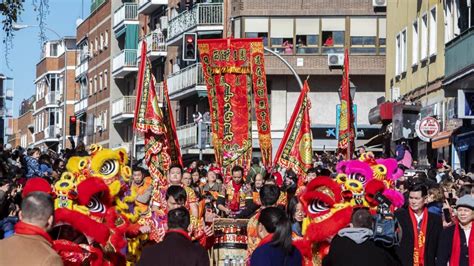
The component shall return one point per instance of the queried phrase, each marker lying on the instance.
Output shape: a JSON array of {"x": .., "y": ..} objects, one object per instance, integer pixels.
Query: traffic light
[
  {"x": 72, "y": 125},
  {"x": 189, "y": 46}
]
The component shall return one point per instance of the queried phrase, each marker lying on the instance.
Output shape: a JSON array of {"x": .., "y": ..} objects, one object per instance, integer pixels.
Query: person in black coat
[
  {"x": 353, "y": 246},
  {"x": 176, "y": 249},
  {"x": 415, "y": 215}
]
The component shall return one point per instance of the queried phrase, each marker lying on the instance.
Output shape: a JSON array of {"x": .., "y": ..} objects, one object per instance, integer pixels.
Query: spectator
[
  {"x": 31, "y": 245},
  {"x": 418, "y": 224},
  {"x": 176, "y": 249},
  {"x": 403, "y": 154},
  {"x": 435, "y": 201},
  {"x": 457, "y": 241},
  {"x": 33, "y": 167},
  {"x": 187, "y": 179},
  {"x": 45, "y": 166},
  {"x": 254, "y": 170},
  {"x": 357, "y": 239},
  {"x": 269, "y": 195},
  {"x": 276, "y": 247},
  {"x": 142, "y": 186},
  {"x": 296, "y": 215}
]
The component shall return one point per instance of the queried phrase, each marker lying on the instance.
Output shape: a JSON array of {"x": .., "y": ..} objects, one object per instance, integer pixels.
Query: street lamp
[
  {"x": 17, "y": 27},
  {"x": 352, "y": 89}
]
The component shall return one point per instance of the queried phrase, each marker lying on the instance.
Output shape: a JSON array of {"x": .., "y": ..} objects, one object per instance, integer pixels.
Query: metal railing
[
  {"x": 124, "y": 105},
  {"x": 82, "y": 68},
  {"x": 200, "y": 14},
  {"x": 187, "y": 135},
  {"x": 52, "y": 98},
  {"x": 185, "y": 78},
  {"x": 153, "y": 2},
  {"x": 126, "y": 58},
  {"x": 51, "y": 131},
  {"x": 128, "y": 11},
  {"x": 80, "y": 105},
  {"x": 155, "y": 43}
]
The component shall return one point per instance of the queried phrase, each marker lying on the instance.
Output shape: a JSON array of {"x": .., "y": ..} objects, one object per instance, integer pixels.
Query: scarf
[
  {"x": 419, "y": 237},
  {"x": 179, "y": 231},
  {"x": 265, "y": 240},
  {"x": 235, "y": 202},
  {"x": 23, "y": 228},
  {"x": 456, "y": 249}
]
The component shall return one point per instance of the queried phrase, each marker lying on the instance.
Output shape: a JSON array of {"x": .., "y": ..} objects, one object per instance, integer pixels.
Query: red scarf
[
  {"x": 420, "y": 238},
  {"x": 456, "y": 249},
  {"x": 179, "y": 231},
  {"x": 23, "y": 228},
  {"x": 265, "y": 240},
  {"x": 235, "y": 202}
]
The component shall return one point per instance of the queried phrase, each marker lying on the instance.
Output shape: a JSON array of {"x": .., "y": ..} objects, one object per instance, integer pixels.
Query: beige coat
[{"x": 28, "y": 250}]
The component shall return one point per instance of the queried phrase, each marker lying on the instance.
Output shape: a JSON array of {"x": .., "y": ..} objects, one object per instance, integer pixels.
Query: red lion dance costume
[{"x": 329, "y": 203}]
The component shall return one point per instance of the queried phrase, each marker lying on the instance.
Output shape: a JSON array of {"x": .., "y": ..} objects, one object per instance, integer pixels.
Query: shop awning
[
  {"x": 376, "y": 140},
  {"x": 441, "y": 140},
  {"x": 463, "y": 141}
]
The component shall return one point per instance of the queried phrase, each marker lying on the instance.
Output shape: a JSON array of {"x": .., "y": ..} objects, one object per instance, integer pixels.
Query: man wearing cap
[{"x": 457, "y": 241}]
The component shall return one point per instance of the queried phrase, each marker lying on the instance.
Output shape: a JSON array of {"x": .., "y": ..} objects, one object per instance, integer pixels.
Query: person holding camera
[
  {"x": 420, "y": 229},
  {"x": 457, "y": 241}
]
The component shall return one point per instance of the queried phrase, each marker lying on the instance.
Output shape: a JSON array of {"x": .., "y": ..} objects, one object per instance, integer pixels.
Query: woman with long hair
[
  {"x": 296, "y": 215},
  {"x": 275, "y": 248}
]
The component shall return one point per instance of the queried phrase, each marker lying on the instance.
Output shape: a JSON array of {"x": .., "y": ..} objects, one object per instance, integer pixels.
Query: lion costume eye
[
  {"x": 109, "y": 167},
  {"x": 358, "y": 177},
  {"x": 318, "y": 206},
  {"x": 95, "y": 206}
]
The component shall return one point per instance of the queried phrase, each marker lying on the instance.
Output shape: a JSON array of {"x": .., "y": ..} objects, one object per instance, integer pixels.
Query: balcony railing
[
  {"x": 127, "y": 12},
  {"x": 148, "y": 6},
  {"x": 199, "y": 15},
  {"x": 50, "y": 132},
  {"x": 155, "y": 43},
  {"x": 188, "y": 135},
  {"x": 187, "y": 77},
  {"x": 80, "y": 106},
  {"x": 123, "y": 106},
  {"x": 458, "y": 54},
  {"x": 126, "y": 58},
  {"x": 82, "y": 68},
  {"x": 52, "y": 98}
]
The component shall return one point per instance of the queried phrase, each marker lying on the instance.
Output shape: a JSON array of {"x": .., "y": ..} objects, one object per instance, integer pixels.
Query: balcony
[
  {"x": 186, "y": 82},
  {"x": 80, "y": 106},
  {"x": 124, "y": 63},
  {"x": 82, "y": 69},
  {"x": 123, "y": 108},
  {"x": 147, "y": 7},
  {"x": 156, "y": 46},
  {"x": 202, "y": 17},
  {"x": 52, "y": 98},
  {"x": 8, "y": 95},
  {"x": 126, "y": 14},
  {"x": 51, "y": 133},
  {"x": 187, "y": 135},
  {"x": 459, "y": 59}
]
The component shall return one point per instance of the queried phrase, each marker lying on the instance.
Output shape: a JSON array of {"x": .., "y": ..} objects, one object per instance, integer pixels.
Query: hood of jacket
[{"x": 358, "y": 235}]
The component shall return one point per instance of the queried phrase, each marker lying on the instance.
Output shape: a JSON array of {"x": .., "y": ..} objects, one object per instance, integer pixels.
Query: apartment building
[
  {"x": 6, "y": 105},
  {"x": 92, "y": 107},
  {"x": 298, "y": 33},
  {"x": 21, "y": 132},
  {"x": 55, "y": 87},
  {"x": 12, "y": 132}
]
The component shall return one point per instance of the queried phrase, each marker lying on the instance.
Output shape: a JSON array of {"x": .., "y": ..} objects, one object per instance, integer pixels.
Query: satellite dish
[{"x": 79, "y": 21}]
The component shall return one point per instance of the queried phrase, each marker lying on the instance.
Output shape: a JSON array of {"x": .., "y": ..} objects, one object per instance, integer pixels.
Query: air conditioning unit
[
  {"x": 379, "y": 3},
  {"x": 335, "y": 60}
]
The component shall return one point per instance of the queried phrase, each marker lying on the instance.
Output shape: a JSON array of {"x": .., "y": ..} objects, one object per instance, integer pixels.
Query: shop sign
[{"x": 427, "y": 128}]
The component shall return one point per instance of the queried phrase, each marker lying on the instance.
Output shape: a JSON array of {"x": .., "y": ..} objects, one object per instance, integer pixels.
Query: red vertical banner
[
  {"x": 262, "y": 112},
  {"x": 232, "y": 67},
  {"x": 346, "y": 136},
  {"x": 171, "y": 135},
  {"x": 295, "y": 151}
]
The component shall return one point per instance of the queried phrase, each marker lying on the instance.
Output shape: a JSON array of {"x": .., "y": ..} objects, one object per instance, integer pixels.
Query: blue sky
[{"x": 26, "y": 51}]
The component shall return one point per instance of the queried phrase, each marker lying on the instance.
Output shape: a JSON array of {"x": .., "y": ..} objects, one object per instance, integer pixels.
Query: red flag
[
  {"x": 295, "y": 149},
  {"x": 346, "y": 143},
  {"x": 171, "y": 136}
]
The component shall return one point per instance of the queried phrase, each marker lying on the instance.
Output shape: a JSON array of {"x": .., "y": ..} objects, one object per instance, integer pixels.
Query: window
[
  {"x": 401, "y": 53},
  {"x": 91, "y": 88},
  {"x": 91, "y": 51},
  {"x": 281, "y": 35},
  {"x": 100, "y": 81},
  {"x": 363, "y": 35},
  {"x": 398, "y": 44},
  {"x": 424, "y": 37},
  {"x": 106, "y": 39},
  {"x": 307, "y": 36},
  {"x": 105, "y": 79},
  {"x": 414, "y": 55},
  {"x": 101, "y": 41},
  {"x": 257, "y": 28},
  {"x": 54, "y": 49},
  {"x": 96, "y": 43},
  {"x": 382, "y": 35},
  {"x": 433, "y": 31},
  {"x": 332, "y": 31},
  {"x": 104, "y": 120},
  {"x": 95, "y": 83},
  {"x": 237, "y": 28}
]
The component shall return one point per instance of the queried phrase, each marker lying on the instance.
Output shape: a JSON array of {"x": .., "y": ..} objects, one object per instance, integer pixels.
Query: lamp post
[{"x": 17, "y": 27}]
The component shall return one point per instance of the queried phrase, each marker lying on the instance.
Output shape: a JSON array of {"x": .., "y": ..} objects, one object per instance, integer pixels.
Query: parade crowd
[{"x": 435, "y": 220}]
